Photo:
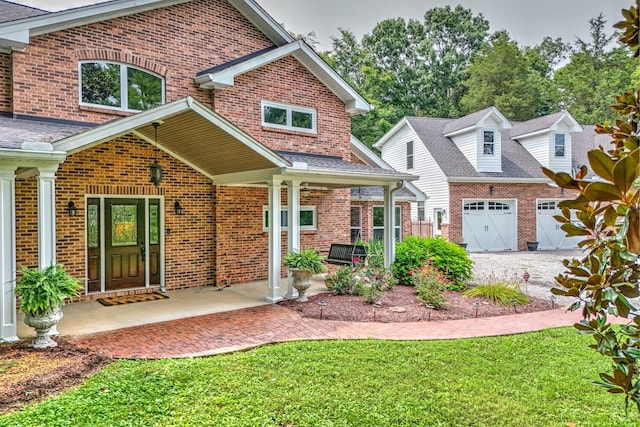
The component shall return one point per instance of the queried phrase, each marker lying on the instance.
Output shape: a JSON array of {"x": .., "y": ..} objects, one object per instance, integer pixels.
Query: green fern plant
[{"x": 44, "y": 290}]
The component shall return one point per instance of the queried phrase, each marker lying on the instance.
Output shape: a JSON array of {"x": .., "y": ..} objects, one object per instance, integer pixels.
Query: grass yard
[{"x": 535, "y": 379}]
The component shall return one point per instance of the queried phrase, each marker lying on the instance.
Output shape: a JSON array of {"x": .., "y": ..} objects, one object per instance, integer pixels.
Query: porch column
[
  {"x": 47, "y": 215},
  {"x": 389, "y": 221},
  {"x": 275, "y": 255},
  {"x": 8, "y": 326},
  {"x": 293, "y": 223}
]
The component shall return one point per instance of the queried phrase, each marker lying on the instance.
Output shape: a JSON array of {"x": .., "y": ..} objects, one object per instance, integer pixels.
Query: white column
[
  {"x": 8, "y": 326},
  {"x": 275, "y": 256},
  {"x": 389, "y": 221},
  {"x": 293, "y": 223},
  {"x": 47, "y": 216}
]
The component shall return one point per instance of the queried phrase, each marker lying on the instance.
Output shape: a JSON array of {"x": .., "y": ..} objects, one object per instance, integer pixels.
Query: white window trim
[
  {"x": 410, "y": 155},
  {"x": 493, "y": 143},
  {"x": 124, "y": 93},
  {"x": 290, "y": 108},
  {"x": 284, "y": 210},
  {"x": 564, "y": 145},
  {"x": 398, "y": 210}
]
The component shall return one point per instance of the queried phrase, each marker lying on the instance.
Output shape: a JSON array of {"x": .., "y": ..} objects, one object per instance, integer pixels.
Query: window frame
[
  {"x": 284, "y": 216},
  {"x": 397, "y": 228},
  {"x": 563, "y": 145},
  {"x": 410, "y": 155},
  {"x": 124, "y": 85},
  {"x": 355, "y": 228},
  {"x": 486, "y": 144},
  {"x": 289, "y": 108}
]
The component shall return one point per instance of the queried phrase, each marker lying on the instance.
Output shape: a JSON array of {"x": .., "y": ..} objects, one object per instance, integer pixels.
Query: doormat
[{"x": 130, "y": 299}]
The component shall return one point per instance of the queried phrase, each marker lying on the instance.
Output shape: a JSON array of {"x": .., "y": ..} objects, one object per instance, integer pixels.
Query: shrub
[
  {"x": 374, "y": 282},
  {"x": 343, "y": 281},
  {"x": 503, "y": 293},
  {"x": 375, "y": 253},
  {"x": 452, "y": 260},
  {"x": 429, "y": 283}
]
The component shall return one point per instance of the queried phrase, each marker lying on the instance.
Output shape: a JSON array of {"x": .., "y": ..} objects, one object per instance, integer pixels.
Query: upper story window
[
  {"x": 488, "y": 147},
  {"x": 290, "y": 117},
  {"x": 410, "y": 155},
  {"x": 559, "y": 145},
  {"x": 119, "y": 86}
]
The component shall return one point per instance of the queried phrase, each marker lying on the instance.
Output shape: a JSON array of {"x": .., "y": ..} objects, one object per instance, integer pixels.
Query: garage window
[
  {"x": 474, "y": 206},
  {"x": 497, "y": 206},
  {"x": 546, "y": 206}
]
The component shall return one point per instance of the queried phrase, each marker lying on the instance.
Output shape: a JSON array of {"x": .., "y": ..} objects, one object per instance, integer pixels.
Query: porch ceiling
[{"x": 190, "y": 137}]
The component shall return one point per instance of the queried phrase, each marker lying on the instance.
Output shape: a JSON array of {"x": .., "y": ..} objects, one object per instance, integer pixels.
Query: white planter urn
[
  {"x": 301, "y": 282},
  {"x": 42, "y": 324}
]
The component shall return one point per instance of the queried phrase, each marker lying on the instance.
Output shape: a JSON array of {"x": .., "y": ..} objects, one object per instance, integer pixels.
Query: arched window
[{"x": 119, "y": 86}]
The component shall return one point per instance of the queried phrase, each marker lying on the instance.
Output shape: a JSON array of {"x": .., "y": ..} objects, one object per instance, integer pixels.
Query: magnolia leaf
[
  {"x": 610, "y": 216},
  {"x": 579, "y": 203},
  {"x": 573, "y": 230},
  {"x": 633, "y": 232},
  {"x": 624, "y": 173},
  {"x": 602, "y": 191},
  {"x": 601, "y": 164}
]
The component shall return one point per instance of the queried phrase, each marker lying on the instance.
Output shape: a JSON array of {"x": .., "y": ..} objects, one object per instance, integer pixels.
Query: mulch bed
[{"x": 400, "y": 305}]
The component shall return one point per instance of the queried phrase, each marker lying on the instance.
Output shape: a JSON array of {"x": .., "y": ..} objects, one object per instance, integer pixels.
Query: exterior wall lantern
[
  {"x": 72, "y": 210},
  {"x": 177, "y": 208},
  {"x": 492, "y": 189}
]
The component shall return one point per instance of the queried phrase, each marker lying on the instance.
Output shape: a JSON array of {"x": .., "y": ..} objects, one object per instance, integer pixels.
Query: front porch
[{"x": 88, "y": 317}]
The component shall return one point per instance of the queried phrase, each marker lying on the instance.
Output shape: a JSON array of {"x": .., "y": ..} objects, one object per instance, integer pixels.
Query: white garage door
[
  {"x": 489, "y": 225},
  {"x": 549, "y": 233}
]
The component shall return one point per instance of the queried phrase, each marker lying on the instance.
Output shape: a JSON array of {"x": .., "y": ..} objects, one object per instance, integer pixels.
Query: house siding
[
  {"x": 560, "y": 164},
  {"x": 394, "y": 151},
  {"x": 489, "y": 163},
  {"x": 468, "y": 145},
  {"x": 538, "y": 146}
]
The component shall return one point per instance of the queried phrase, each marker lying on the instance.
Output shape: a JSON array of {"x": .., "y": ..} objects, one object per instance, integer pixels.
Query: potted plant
[
  {"x": 42, "y": 292},
  {"x": 303, "y": 264}
]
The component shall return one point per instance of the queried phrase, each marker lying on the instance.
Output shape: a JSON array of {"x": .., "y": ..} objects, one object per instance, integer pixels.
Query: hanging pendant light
[{"x": 155, "y": 168}]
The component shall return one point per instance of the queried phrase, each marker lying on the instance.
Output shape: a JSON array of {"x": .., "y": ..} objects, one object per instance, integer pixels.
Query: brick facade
[
  {"x": 5, "y": 83},
  {"x": 526, "y": 196}
]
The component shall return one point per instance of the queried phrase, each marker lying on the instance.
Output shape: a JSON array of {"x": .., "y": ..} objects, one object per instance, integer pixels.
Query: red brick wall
[
  {"x": 242, "y": 244},
  {"x": 286, "y": 81},
  {"x": 5, "y": 82},
  {"x": 525, "y": 194},
  {"x": 182, "y": 40}
]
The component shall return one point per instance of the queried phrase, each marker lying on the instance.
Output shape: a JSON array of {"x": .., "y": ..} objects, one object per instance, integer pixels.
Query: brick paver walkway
[{"x": 251, "y": 327}]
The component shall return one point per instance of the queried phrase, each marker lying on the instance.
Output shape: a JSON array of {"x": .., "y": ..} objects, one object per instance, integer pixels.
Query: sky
[{"x": 527, "y": 21}]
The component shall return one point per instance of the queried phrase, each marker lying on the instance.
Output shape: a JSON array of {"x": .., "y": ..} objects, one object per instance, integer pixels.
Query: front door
[{"x": 124, "y": 244}]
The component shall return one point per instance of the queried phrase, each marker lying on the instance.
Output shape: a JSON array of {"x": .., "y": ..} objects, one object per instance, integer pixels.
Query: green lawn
[{"x": 536, "y": 379}]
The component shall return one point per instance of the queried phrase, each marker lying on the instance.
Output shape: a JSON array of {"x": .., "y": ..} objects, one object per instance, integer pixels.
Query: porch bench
[{"x": 343, "y": 254}]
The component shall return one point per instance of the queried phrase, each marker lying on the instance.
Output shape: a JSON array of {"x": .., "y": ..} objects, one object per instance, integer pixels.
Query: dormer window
[
  {"x": 288, "y": 117},
  {"x": 488, "y": 144},
  {"x": 559, "y": 145},
  {"x": 119, "y": 86}
]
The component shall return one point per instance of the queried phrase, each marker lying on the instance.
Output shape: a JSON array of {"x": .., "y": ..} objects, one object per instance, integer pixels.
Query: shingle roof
[
  {"x": 516, "y": 160},
  {"x": 235, "y": 61},
  {"x": 13, "y": 132},
  {"x": 534, "y": 125},
  {"x": 12, "y": 12},
  {"x": 333, "y": 163},
  {"x": 465, "y": 121}
]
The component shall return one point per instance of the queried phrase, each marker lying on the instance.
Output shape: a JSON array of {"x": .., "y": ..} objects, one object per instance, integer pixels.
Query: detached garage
[
  {"x": 489, "y": 225},
  {"x": 549, "y": 234}
]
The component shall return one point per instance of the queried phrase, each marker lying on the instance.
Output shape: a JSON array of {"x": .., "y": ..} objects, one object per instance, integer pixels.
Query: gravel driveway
[{"x": 542, "y": 267}]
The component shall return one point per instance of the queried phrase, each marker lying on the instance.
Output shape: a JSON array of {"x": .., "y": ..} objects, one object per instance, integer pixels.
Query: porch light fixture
[
  {"x": 177, "y": 207},
  {"x": 71, "y": 208},
  {"x": 155, "y": 168},
  {"x": 492, "y": 189}
]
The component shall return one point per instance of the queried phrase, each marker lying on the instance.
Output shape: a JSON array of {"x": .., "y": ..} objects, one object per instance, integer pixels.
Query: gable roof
[
  {"x": 544, "y": 124},
  {"x": 473, "y": 120},
  {"x": 517, "y": 162},
  {"x": 223, "y": 76},
  {"x": 10, "y": 11},
  {"x": 15, "y": 34}
]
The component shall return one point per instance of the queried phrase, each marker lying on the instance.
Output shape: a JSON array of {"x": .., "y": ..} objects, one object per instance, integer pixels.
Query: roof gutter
[{"x": 498, "y": 179}]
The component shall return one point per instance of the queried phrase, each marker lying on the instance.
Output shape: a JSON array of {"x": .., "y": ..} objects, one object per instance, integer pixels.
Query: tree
[
  {"x": 593, "y": 74},
  {"x": 514, "y": 82},
  {"x": 608, "y": 213}
]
